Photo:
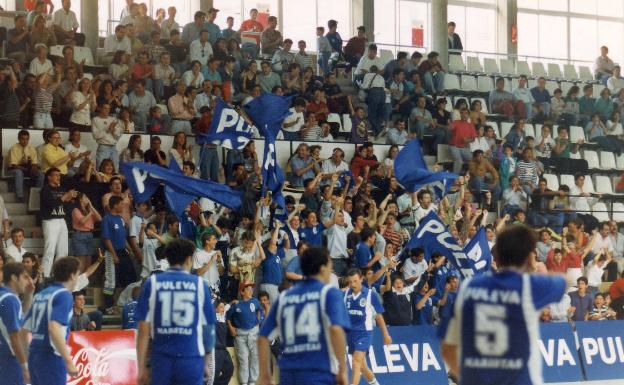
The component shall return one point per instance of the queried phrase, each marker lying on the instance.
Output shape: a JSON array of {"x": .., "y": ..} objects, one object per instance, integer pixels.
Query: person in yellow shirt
[
  {"x": 24, "y": 161},
  {"x": 55, "y": 156}
]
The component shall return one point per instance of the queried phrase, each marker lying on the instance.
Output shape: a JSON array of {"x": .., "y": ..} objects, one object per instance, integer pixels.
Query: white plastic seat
[
  {"x": 473, "y": 64},
  {"x": 449, "y": 102},
  {"x": 484, "y": 107},
  {"x": 522, "y": 68},
  {"x": 618, "y": 211},
  {"x": 386, "y": 56},
  {"x": 607, "y": 160},
  {"x": 551, "y": 86},
  {"x": 507, "y": 67},
  {"x": 85, "y": 53},
  {"x": 599, "y": 211},
  {"x": 532, "y": 83},
  {"x": 619, "y": 161},
  {"x": 575, "y": 155},
  {"x": 603, "y": 185},
  {"x": 505, "y": 128},
  {"x": 484, "y": 84},
  {"x": 551, "y": 181},
  {"x": 569, "y": 72},
  {"x": 514, "y": 83},
  {"x": 588, "y": 185},
  {"x": 490, "y": 66},
  {"x": 554, "y": 71},
  {"x": 575, "y": 133},
  {"x": 537, "y": 68},
  {"x": 592, "y": 159},
  {"x": 163, "y": 109},
  {"x": 598, "y": 89},
  {"x": 565, "y": 87},
  {"x": 444, "y": 154},
  {"x": 529, "y": 130},
  {"x": 566, "y": 179},
  {"x": 56, "y": 50},
  {"x": 456, "y": 63},
  {"x": 468, "y": 82},
  {"x": 347, "y": 124},
  {"x": 584, "y": 73},
  {"x": 334, "y": 118},
  {"x": 451, "y": 81},
  {"x": 494, "y": 126}
]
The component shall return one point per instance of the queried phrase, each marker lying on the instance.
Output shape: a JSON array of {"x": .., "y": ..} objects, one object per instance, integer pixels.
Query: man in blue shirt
[
  {"x": 13, "y": 358},
  {"x": 313, "y": 230},
  {"x": 176, "y": 314},
  {"x": 363, "y": 305},
  {"x": 310, "y": 320},
  {"x": 494, "y": 328},
  {"x": 243, "y": 319},
  {"x": 272, "y": 267},
  {"x": 48, "y": 321},
  {"x": 363, "y": 255},
  {"x": 119, "y": 272}
]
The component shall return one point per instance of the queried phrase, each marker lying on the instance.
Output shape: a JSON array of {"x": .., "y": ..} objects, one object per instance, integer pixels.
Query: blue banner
[
  {"x": 412, "y": 173},
  {"x": 602, "y": 349},
  {"x": 228, "y": 128},
  {"x": 433, "y": 236},
  {"x": 560, "y": 360},
  {"x": 268, "y": 111},
  {"x": 478, "y": 250},
  {"x": 143, "y": 179}
]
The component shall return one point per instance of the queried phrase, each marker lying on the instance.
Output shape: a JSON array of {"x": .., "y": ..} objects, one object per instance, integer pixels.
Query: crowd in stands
[{"x": 354, "y": 207}]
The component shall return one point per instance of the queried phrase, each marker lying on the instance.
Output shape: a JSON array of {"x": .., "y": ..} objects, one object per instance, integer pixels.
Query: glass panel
[
  {"x": 527, "y": 34},
  {"x": 302, "y": 27},
  {"x": 585, "y": 38},
  {"x": 228, "y": 8},
  {"x": 385, "y": 22},
  {"x": 481, "y": 30},
  {"x": 553, "y": 39},
  {"x": 186, "y": 9},
  {"x": 266, "y": 8},
  {"x": 339, "y": 10},
  {"x": 614, "y": 8},
  {"x": 529, "y": 4},
  {"x": 583, "y": 6},
  {"x": 610, "y": 34},
  {"x": 413, "y": 25},
  {"x": 554, "y": 5}
]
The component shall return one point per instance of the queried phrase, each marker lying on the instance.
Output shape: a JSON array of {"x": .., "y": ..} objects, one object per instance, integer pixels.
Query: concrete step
[
  {"x": 23, "y": 221},
  {"x": 33, "y": 232},
  {"x": 4, "y": 186},
  {"x": 9, "y": 197},
  {"x": 16, "y": 208}
]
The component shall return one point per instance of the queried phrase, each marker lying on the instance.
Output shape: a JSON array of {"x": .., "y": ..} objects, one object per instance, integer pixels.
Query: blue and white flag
[
  {"x": 143, "y": 179},
  {"x": 478, "y": 250},
  {"x": 411, "y": 170},
  {"x": 268, "y": 112},
  {"x": 228, "y": 128},
  {"x": 433, "y": 237},
  {"x": 273, "y": 177}
]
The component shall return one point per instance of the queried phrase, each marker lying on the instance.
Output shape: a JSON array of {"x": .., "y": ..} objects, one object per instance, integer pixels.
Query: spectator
[
  {"x": 115, "y": 189},
  {"x": 432, "y": 73},
  {"x": 282, "y": 58},
  {"x": 603, "y": 67},
  {"x": 200, "y": 49},
  {"x": 483, "y": 176},
  {"x": 178, "y": 51},
  {"x": 324, "y": 50},
  {"x": 83, "y": 104},
  {"x": 181, "y": 109},
  {"x": 522, "y": 94},
  {"x": 229, "y": 33},
  {"x": 454, "y": 41},
  {"x": 540, "y": 215},
  {"x": 107, "y": 131},
  {"x": 268, "y": 79},
  {"x": 541, "y": 95},
  {"x": 81, "y": 321},
  {"x": 84, "y": 217},
  {"x": 192, "y": 31},
  {"x": 302, "y": 58},
  {"x": 53, "y": 198},
  {"x": 208, "y": 262},
  {"x": 398, "y": 134},
  {"x": 367, "y": 61},
  {"x": 54, "y": 156},
  {"x": 164, "y": 75},
  {"x": 615, "y": 83},
  {"x": 600, "y": 311},
  {"x": 169, "y": 24},
  {"x": 355, "y": 47},
  {"x": 140, "y": 102},
  {"x": 462, "y": 134},
  {"x": 423, "y": 304},
  {"x": 180, "y": 151},
  {"x": 377, "y": 100},
  {"x": 40, "y": 36},
  {"x": 66, "y": 25},
  {"x": 527, "y": 171},
  {"x": 502, "y": 101},
  {"x": 303, "y": 166},
  {"x": 514, "y": 198},
  {"x": 212, "y": 28},
  {"x": 17, "y": 40},
  {"x": 251, "y": 46},
  {"x": 421, "y": 119},
  {"x": 15, "y": 252},
  {"x": 117, "y": 42},
  {"x": 271, "y": 38},
  {"x": 243, "y": 321},
  {"x": 24, "y": 161},
  {"x": 581, "y": 202}
]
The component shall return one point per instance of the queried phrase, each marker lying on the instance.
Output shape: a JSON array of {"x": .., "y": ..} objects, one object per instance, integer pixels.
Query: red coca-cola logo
[{"x": 103, "y": 358}]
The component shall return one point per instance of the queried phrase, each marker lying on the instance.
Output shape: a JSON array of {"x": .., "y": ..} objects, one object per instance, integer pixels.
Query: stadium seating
[
  {"x": 507, "y": 67},
  {"x": 490, "y": 66},
  {"x": 554, "y": 71},
  {"x": 456, "y": 63},
  {"x": 473, "y": 64},
  {"x": 551, "y": 181}
]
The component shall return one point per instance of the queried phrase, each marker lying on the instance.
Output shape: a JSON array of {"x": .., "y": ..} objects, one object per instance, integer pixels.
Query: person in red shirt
[
  {"x": 144, "y": 70},
  {"x": 30, "y": 5},
  {"x": 574, "y": 256},
  {"x": 555, "y": 263},
  {"x": 616, "y": 292},
  {"x": 462, "y": 134},
  {"x": 203, "y": 124},
  {"x": 318, "y": 106},
  {"x": 363, "y": 158},
  {"x": 354, "y": 50},
  {"x": 251, "y": 25}
]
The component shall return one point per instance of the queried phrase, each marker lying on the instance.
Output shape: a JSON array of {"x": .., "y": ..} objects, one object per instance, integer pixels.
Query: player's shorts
[
  {"x": 46, "y": 368},
  {"x": 359, "y": 340},
  {"x": 171, "y": 370},
  {"x": 306, "y": 377},
  {"x": 10, "y": 371}
]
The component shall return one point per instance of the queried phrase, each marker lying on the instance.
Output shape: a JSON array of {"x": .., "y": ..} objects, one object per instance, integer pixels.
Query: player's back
[
  {"x": 54, "y": 303},
  {"x": 496, "y": 325},
  {"x": 302, "y": 318},
  {"x": 178, "y": 307},
  {"x": 10, "y": 314}
]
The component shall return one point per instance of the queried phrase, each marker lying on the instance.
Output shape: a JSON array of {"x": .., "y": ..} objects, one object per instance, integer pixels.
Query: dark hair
[
  {"x": 50, "y": 171},
  {"x": 312, "y": 259},
  {"x": 23, "y": 133},
  {"x": 263, "y": 294},
  {"x": 179, "y": 250},
  {"x": 79, "y": 293},
  {"x": 16, "y": 230},
  {"x": 416, "y": 55},
  {"x": 366, "y": 233},
  {"x": 582, "y": 279},
  {"x": 10, "y": 269},
  {"x": 353, "y": 272},
  {"x": 514, "y": 246},
  {"x": 114, "y": 200},
  {"x": 64, "y": 267}
]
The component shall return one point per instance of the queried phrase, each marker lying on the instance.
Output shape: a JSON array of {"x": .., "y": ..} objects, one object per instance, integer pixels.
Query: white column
[
  {"x": 507, "y": 20},
  {"x": 363, "y": 13},
  {"x": 439, "y": 31},
  {"x": 89, "y": 24}
]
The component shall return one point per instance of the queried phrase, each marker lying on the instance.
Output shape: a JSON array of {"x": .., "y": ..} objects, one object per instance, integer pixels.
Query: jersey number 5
[
  {"x": 491, "y": 331},
  {"x": 307, "y": 323},
  {"x": 177, "y": 307}
]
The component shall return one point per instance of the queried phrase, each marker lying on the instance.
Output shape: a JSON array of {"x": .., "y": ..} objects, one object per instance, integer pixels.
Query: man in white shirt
[
  {"x": 523, "y": 94},
  {"x": 334, "y": 165},
  {"x": 66, "y": 25},
  {"x": 80, "y": 150},
  {"x": 602, "y": 241},
  {"x": 41, "y": 64},
  {"x": 200, "y": 49},
  {"x": 426, "y": 206},
  {"x": 169, "y": 24},
  {"x": 414, "y": 266},
  {"x": 117, "y": 42},
  {"x": 615, "y": 83},
  {"x": 282, "y": 58},
  {"x": 131, "y": 17},
  {"x": 337, "y": 242},
  {"x": 617, "y": 240},
  {"x": 206, "y": 98},
  {"x": 15, "y": 251},
  {"x": 209, "y": 262},
  {"x": 368, "y": 60},
  {"x": 106, "y": 132},
  {"x": 580, "y": 200},
  {"x": 561, "y": 311},
  {"x": 295, "y": 121}
]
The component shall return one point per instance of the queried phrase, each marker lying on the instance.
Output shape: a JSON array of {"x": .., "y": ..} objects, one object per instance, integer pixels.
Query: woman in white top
[
  {"x": 544, "y": 143},
  {"x": 393, "y": 151},
  {"x": 193, "y": 77},
  {"x": 125, "y": 120},
  {"x": 83, "y": 104},
  {"x": 180, "y": 151},
  {"x": 614, "y": 125},
  {"x": 557, "y": 104},
  {"x": 119, "y": 69},
  {"x": 481, "y": 143}
]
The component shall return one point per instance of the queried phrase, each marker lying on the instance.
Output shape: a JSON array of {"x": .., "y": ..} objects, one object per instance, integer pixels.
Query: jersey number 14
[{"x": 307, "y": 323}]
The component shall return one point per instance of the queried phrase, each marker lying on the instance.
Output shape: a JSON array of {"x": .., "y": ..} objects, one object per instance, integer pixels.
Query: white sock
[{"x": 373, "y": 382}]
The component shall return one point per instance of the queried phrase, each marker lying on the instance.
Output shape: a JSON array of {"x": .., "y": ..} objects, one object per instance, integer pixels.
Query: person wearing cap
[
  {"x": 213, "y": 29},
  {"x": 191, "y": 31},
  {"x": 243, "y": 319},
  {"x": 354, "y": 50},
  {"x": 615, "y": 83}
]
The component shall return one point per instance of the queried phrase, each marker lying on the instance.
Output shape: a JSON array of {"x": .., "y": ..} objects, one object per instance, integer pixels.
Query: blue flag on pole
[
  {"x": 411, "y": 170},
  {"x": 478, "y": 250},
  {"x": 268, "y": 112},
  {"x": 433, "y": 236},
  {"x": 228, "y": 128},
  {"x": 143, "y": 179}
]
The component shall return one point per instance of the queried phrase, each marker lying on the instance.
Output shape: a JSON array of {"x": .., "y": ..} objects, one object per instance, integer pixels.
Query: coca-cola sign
[{"x": 103, "y": 358}]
